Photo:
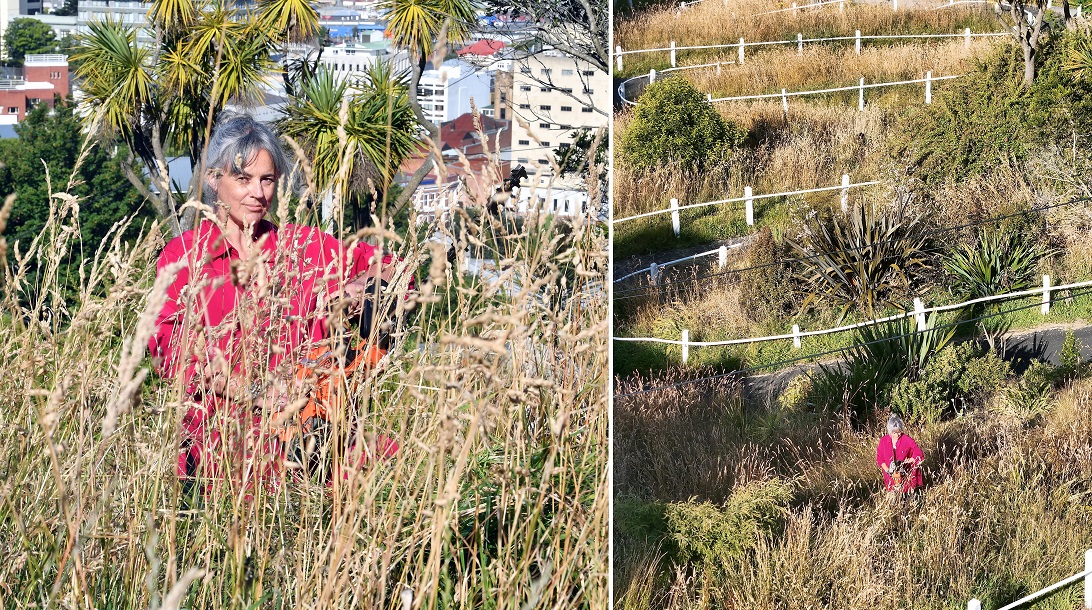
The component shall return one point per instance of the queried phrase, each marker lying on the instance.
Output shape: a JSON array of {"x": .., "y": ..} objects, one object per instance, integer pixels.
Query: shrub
[
  {"x": 1030, "y": 396},
  {"x": 674, "y": 125},
  {"x": 865, "y": 260},
  {"x": 959, "y": 372},
  {"x": 1069, "y": 356},
  {"x": 795, "y": 395},
  {"x": 765, "y": 292},
  {"x": 714, "y": 535}
]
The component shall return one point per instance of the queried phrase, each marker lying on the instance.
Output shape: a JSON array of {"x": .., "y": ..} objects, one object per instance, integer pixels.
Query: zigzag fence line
[
  {"x": 967, "y": 35},
  {"x": 919, "y": 312},
  {"x": 748, "y": 198},
  {"x": 655, "y": 268}
]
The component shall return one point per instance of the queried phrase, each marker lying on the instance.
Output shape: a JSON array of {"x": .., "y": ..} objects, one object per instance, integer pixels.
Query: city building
[
  {"x": 351, "y": 60},
  {"x": 551, "y": 96},
  {"x": 62, "y": 26},
  {"x": 41, "y": 80},
  {"x": 132, "y": 14},
  {"x": 448, "y": 91}
]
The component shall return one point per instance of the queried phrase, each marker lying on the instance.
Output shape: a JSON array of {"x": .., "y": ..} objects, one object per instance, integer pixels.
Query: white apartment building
[
  {"x": 552, "y": 96},
  {"x": 446, "y": 92},
  {"x": 351, "y": 60},
  {"x": 132, "y": 14}
]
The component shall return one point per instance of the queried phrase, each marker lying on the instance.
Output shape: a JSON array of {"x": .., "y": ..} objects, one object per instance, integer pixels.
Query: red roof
[{"x": 482, "y": 47}]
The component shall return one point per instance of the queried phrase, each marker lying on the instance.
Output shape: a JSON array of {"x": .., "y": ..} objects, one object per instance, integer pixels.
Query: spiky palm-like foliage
[
  {"x": 865, "y": 261},
  {"x": 379, "y": 126},
  {"x": 416, "y": 25}
]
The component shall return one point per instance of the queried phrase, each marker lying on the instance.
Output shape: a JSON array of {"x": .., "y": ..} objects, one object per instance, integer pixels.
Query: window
[
  {"x": 13, "y": 110},
  {"x": 546, "y": 71},
  {"x": 504, "y": 97},
  {"x": 525, "y": 69},
  {"x": 525, "y": 106},
  {"x": 566, "y": 109},
  {"x": 564, "y": 126},
  {"x": 588, "y": 72},
  {"x": 525, "y": 87},
  {"x": 521, "y": 160},
  {"x": 544, "y": 125},
  {"x": 544, "y": 107},
  {"x": 524, "y": 142},
  {"x": 587, "y": 109},
  {"x": 566, "y": 73},
  {"x": 588, "y": 90},
  {"x": 567, "y": 90},
  {"x": 543, "y": 162},
  {"x": 545, "y": 89},
  {"x": 564, "y": 145},
  {"x": 546, "y": 144}
]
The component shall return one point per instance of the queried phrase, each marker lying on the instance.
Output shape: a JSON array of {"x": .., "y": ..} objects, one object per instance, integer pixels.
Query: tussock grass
[{"x": 497, "y": 496}]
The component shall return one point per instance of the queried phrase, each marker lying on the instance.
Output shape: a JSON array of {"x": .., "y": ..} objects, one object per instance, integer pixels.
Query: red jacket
[{"x": 906, "y": 447}]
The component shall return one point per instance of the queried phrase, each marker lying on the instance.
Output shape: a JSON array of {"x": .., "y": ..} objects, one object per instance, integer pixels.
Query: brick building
[{"x": 42, "y": 79}]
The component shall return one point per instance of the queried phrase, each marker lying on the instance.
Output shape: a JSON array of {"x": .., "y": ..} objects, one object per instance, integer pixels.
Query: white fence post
[
  {"x": 929, "y": 87},
  {"x": 841, "y": 6},
  {"x": 672, "y": 53},
  {"x": 709, "y": 97},
  {"x": 741, "y": 44},
  {"x": 618, "y": 55},
  {"x": 1046, "y": 295},
  {"x": 796, "y": 336},
  {"x": 800, "y": 44},
  {"x": 722, "y": 258},
  {"x": 718, "y": 68},
  {"x": 974, "y": 604},
  {"x": 1078, "y": 17},
  {"x": 1050, "y": 4},
  {"x": 749, "y": 202},
  {"x": 675, "y": 215},
  {"x": 685, "y": 346},
  {"x": 967, "y": 38},
  {"x": 651, "y": 76},
  {"x": 895, "y": 5},
  {"x": 845, "y": 193},
  {"x": 857, "y": 43},
  {"x": 785, "y": 103},
  {"x": 860, "y": 98},
  {"x": 654, "y": 271},
  {"x": 919, "y": 313},
  {"x": 794, "y": 9},
  {"x": 1087, "y": 557}
]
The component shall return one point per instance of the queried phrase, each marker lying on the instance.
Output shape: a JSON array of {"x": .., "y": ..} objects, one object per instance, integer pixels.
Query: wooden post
[
  {"x": 929, "y": 87},
  {"x": 800, "y": 44},
  {"x": 685, "y": 346},
  {"x": 1046, "y": 295},
  {"x": 749, "y": 203},
  {"x": 675, "y": 215},
  {"x": 654, "y": 271},
  {"x": 672, "y": 53},
  {"x": 967, "y": 38},
  {"x": 857, "y": 43},
  {"x": 974, "y": 604},
  {"x": 722, "y": 258},
  {"x": 919, "y": 313},
  {"x": 651, "y": 76},
  {"x": 618, "y": 56},
  {"x": 860, "y": 98},
  {"x": 845, "y": 193},
  {"x": 741, "y": 45},
  {"x": 785, "y": 104},
  {"x": 796, "y": 336}
]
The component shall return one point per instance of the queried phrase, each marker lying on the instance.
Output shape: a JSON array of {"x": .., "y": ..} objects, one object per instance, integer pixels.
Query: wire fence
[
  {"x": 835, "y": 351},
  {"x": 1086, "y": 576},
  {"x": 646, "y": 291},
  {"x": 654, "y": 268}
]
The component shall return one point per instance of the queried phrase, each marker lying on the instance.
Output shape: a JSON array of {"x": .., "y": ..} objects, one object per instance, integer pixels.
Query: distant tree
[
  {"x": 27, "y": 37},
  {"x": 70, "y": 9},
  {"x": 674, "y": 125},
  {"x": 53, "y": 139},
  {"x": 573, "y": 159}
]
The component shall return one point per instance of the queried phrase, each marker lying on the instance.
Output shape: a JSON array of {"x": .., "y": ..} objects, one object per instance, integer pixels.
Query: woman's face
[
  {"x": 246, "y": 196},
  {"x": 895, "y": 434}
]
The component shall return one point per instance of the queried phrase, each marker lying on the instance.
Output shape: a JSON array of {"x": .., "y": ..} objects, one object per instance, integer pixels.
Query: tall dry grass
[
  {"x": 497, "y": 496},
  {"x": 1005, "y": 509},
  {"x": 713, "y": 23}
]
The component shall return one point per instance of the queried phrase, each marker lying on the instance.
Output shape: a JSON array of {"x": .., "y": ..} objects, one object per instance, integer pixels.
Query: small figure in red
[{"x": 900, "y": 458}]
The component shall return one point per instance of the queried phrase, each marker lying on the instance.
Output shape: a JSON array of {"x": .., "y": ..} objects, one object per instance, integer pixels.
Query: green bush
[
  {"x": 1030, "y": 396},
  {"x": 1069, "y": 356},
  {"x": 714, "y": 535},
  {"x": 978, "y": 122},
  {"x": 674, "y": 125},
  {"x": 958, "y": 372}
]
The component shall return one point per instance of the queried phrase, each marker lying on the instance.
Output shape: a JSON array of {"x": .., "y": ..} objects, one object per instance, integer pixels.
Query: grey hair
[
  {"x": 236, "y": 140},
  {"x": 895, "y": 423}
]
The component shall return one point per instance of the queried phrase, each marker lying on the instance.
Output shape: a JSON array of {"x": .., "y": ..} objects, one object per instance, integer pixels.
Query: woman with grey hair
[
  {"x": 249, "y": 301},
  {"x": 899, "y": 457}
]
